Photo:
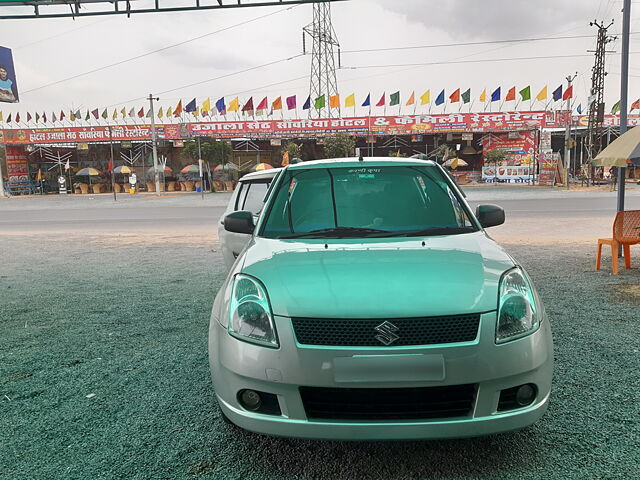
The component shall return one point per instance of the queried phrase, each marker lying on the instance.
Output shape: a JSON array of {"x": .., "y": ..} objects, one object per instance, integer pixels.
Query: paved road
[{"x": 533, "y": 213}]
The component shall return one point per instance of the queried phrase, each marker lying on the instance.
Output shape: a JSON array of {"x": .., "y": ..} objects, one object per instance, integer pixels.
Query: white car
[
  {"x": 249, "y": 195},
  {"x": 369, "y": 303}
]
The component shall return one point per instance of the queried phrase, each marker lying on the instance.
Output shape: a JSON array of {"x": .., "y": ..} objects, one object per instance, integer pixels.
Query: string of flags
[{"x": 264, "y": 107}]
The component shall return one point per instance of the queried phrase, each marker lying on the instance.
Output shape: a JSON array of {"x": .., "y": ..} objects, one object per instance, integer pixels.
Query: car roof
[
  {"x": 262, "y": 174},
  {"x": 364, "y": 162}
]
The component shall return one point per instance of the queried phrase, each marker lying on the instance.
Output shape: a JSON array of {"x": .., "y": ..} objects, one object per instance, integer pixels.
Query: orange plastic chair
[{"x": 626, "y": 232}]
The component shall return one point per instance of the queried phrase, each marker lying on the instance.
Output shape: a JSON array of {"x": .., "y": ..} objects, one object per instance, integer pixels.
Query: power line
[
  {"x": 467, "y": 44},
  {"x": 104, "y": 67},
  {"x": 226, "y": 75},
  {"x": 485, "y": 60}
]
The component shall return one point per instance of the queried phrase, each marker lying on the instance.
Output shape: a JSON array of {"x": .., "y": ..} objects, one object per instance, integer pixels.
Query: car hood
[{"x": 378, "y": 278}]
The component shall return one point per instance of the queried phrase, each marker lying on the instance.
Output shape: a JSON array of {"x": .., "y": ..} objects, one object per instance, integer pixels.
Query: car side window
[
  {"x": 254, "y": 198},
  {"x": 242, "y": 195}
]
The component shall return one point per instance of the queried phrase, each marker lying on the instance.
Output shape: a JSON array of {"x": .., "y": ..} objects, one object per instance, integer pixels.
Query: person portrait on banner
[{"x": 8, "y": 91}]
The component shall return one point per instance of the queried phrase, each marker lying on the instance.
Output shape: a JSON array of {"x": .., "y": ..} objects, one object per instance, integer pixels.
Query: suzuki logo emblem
[{"x": 386, "y": 333}]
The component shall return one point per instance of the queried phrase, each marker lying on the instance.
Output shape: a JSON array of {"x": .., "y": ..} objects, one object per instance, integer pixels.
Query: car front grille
[
  {"x": 388, "y": 403},
  {"x": 360, "y": 332}
]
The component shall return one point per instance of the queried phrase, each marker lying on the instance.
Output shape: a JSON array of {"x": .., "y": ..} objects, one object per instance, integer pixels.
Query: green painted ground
[{"x": 127, "y": 322}]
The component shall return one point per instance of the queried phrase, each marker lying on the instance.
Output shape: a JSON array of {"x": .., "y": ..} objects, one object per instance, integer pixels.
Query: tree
[
  {"x": 340, "y": 145},
  {"x": 212, "y": 150},
  {"x": 494, "y": 156},
  {"x": 294, "y": 150}
]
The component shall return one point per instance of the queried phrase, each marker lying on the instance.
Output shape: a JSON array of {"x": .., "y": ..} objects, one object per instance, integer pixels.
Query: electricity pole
[
  {"x": 567, "y": 133},
  {"x": 154, "y": 143},
  {"x": 596, "y": 97},
  {"x": 624, "y": 87}
]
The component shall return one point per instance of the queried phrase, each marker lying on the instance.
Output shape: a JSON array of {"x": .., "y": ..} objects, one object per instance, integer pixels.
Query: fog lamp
[
  {"x": 250, "y": 399},
  {"x": 525, "y": 394}
]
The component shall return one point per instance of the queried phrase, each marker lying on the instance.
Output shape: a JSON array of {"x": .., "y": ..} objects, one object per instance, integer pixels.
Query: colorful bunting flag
[
  {"x": 178, "y": 110},
  {"x": 123, "y": 112},
  {"x": 381, "y": 102},
  {"x": 412, "y": 99},
  {"x": 72, "y": 116},
  {"x": 511, "y": 95},
  {"x": 483, "y": 96},
  {"x": 115, "y": 114},
  {"x": 220, "y": 106},
  {"x": 291, "y": 102},
  {"x": 141, "y": 112},
  {"x": 277, "y": 104},
  {"x": 61, "y": 115},
  {"x": 367, "y": 101},
  {"x": 95, "y": 113},
  {"x": 54, "y": 120},
  {"x": 38, "y": 117},
  {"x": 425, "y": 98},
  {"x": 9, "y": 119},
  {"x": 263, "y": 104},
  {"x": 131, "y": 112},
  {"x": 86, "y": 117},
  {"x": 18, "y": 117},
  {"x": 160, "y": 113},
  {"x": 466, "y": 96},
  {"x": 248, "y": 106},
  {"x": 319, "y": 102},
  {"x": 29, "y": 117},
  {"x": 579, "y": 109},
  {"x": 495, "y": 95},
  {"x": 206, "y": 105},
  {"x": 44, "y": 117},
  {"x": 616, "y": 108},
  {"x": 148, "y": 115},
  {"x": 394, "y": 99},
  {"x": 334, "y": 101},
  {"x": 542, "y": 95},
  {"x": 525, "y": 93},
  {"x": 234, "y": 105},
  {"x": 168, "y": 112},
  {"x": 350, "y": 100},
  {"x": 455, "y": 96},
  {"x": 0, "y": 116},
  {"x": 557, "y": 94},
  {"x": 440, "y": 98},
  {"x": 191, "y": 106},
  {"x": 635, "y": 105},
  {"x": 568, "y": 93},
  {"x": 307, "y": 103}
]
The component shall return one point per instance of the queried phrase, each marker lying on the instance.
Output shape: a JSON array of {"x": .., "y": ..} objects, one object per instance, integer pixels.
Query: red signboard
[
  {"x": 17, "y": 169},
  {"x": 414, "y": 125}
]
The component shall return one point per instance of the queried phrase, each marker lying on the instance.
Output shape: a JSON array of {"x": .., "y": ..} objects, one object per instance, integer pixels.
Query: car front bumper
[{"x": 237, "y": 365}]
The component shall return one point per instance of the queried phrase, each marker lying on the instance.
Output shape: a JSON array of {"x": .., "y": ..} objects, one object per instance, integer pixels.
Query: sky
[{"x": 215, "y": 46}]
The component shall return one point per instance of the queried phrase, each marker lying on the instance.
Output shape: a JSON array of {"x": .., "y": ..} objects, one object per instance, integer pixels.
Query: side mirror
[
  {"x": 239, "y": 222},
  {"x": 490, "y": 215}
]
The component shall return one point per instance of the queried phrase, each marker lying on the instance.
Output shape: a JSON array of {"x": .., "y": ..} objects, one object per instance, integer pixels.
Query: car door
[{"x": 249, "y": 195}]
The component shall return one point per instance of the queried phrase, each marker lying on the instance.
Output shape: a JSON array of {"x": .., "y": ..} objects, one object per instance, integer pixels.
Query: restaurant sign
[{"x": 413, "y": 125}]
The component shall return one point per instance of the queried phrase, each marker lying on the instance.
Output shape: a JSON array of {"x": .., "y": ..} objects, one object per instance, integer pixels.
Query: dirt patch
[{"x": 626, "y": 293}]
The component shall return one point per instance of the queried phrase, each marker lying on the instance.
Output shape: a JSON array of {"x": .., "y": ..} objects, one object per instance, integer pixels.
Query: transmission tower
[
  {"x": 596, "y": 97},
  {"x": 323, "y": 61}
]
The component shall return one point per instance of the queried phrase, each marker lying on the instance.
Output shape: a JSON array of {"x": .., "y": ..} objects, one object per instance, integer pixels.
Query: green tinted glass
[{"x": 381, "y": 200}]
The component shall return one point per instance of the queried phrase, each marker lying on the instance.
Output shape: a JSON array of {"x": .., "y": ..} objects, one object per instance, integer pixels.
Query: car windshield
[{"x": 365, "y": 201}]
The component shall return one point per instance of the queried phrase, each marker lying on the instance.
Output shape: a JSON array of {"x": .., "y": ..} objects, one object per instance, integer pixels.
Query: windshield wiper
[
  {"x": 433, "y": 231},
  {"x": 338, "y": 232}
]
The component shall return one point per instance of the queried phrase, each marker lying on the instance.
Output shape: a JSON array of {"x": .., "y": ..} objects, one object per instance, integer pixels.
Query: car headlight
[
  {"x": 517, "y": 313},
  {"x": 250, "y": 317}
]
